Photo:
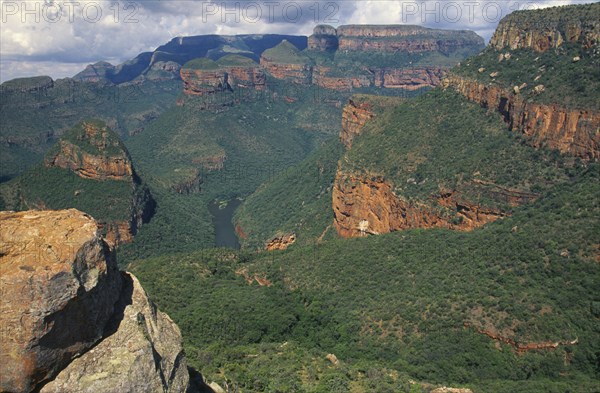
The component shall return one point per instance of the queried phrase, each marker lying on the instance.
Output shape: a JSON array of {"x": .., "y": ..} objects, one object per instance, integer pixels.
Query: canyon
[{"x": 71, "y": 321}]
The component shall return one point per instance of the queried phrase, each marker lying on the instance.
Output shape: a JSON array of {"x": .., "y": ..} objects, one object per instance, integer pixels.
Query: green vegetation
[
  {"x": 35, "y": 114},
  {"x": 298, "y": 200},
  {"x": 56, "y": 188},
  {"x": 286, "y": 53},
  {"x": 237, "y": 61},
  {"x": 562, "y": 18},
  {"x": 441, "y": 141},
  {"x": 201, "y": 63},
  {"x": 392, "y": 307},
  {"x": 569, "y": 83},
  {"x": 104, "y": 142},
  {"x": 259, "y": 136}
]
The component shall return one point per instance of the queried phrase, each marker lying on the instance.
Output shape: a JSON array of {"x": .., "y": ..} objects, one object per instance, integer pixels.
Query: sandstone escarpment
[
  {"x": 570, "y": 131},
  {"x": 92, "y": 152},
  {"x": 285, "y": 61},
  {"x": 296, "y": 73},
  {"x": 367, "y": 205},
  {"x": 549, "y": 28},
  {"x": 322, "y": 77},
  {"x": 406, "y": 38},
  {"x": 70, "y": 321},
  {"x": 220, "y": 76},
  {"x": 408, "y": 78}
]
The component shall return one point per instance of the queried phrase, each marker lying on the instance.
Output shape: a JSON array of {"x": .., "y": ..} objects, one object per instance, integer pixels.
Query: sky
[{"x": 60, "y": 37}]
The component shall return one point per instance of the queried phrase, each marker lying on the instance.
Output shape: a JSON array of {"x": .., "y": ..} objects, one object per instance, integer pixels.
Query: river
[{"x": 222, "y": 219}]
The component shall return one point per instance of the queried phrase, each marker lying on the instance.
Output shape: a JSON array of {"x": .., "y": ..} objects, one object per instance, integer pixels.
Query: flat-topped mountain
[
  {"x": 204, "y": 76},
  {"x": 388, "y": 38}
]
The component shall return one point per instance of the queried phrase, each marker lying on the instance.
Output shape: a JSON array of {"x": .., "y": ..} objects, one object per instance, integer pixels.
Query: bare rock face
[
  {"x": 70, "y": 321},
  {"x": 59, "y": 286},
  {"x": 281, "y": 242},
  {"x": 570, "y": 131},
  {"x": 409, "y": 78},
  {"x": 94, "y": 153},
  {"x": 367, "y": 205},
  {"x": 144, "y": 354},
  {"x": 354, "y": 117}
]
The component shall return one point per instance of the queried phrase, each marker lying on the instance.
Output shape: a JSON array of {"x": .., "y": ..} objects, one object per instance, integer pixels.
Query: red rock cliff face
[
  {"x": 321, "y": 77},
  {"x": 409, "y": 78},
  {"x": 354, "y": 117},
  {"x": 92, "y": 166},
  {"x": 366, "y": 205},
  {"x": 570, "y": 131},
  {"x": 202, "y": 82},
  {"x": 110, "y": 162},
  {"x": 295, "y": 73}
]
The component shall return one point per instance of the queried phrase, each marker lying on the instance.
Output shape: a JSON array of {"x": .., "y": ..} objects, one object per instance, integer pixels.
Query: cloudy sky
[{"x": 60, "y": 37}]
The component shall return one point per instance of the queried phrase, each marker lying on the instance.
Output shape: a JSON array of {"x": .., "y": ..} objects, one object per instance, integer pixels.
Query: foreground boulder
[
  {"x": 144, "y": 353},
  {"x": 62, "y": 295}
]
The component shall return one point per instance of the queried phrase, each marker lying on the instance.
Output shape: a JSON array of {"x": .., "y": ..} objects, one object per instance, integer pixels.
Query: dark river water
[{"x": 222, "y": 221}]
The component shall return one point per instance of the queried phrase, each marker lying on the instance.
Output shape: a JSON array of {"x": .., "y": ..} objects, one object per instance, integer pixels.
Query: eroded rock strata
[{"x": 570, "y": 131}]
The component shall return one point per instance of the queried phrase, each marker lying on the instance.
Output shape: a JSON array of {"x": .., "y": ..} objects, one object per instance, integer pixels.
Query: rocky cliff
[
  {"x": 93, "y": 151},
  {"x": 366, "y": 205},
  {"x": 549, "y": 28},
  {"x": 285, "y": 61},
  {"x": 70, "y": 321},
  {"x": 390, "y": 38},
  {"x": 354, "y": 117},
  {"x": 550, "y": 96},
  {"x": 204, "y": 76},
  {"x": 571, "y": 131},
  {"x": 369, "y": 203}
]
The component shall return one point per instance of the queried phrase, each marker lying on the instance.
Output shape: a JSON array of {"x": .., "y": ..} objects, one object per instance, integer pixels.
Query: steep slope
[
  {"x": 285, "y": 61},
  {"x": 541, "y": 73},
  {"x": 509, "y": 308},
  {"x": 89, "y": 169},
  {"x": 435, "y": 161},
  {"x": 70, "y": 320},
  {"x": 203, "y": 76},
  {"x": 301, "y": 195}
]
